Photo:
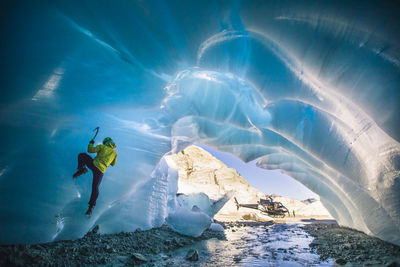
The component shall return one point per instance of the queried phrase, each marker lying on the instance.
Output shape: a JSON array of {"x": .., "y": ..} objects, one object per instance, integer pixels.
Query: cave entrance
[{"x": 203, "y": 169}]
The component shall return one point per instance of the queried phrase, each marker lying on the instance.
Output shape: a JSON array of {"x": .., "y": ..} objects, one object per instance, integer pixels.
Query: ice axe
[{"x": 97, "y": 131}]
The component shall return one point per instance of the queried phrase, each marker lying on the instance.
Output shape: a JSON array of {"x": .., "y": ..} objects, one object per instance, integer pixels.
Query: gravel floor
[
  {"x": 250, "y": 240},
  {"x": 350, "y": 247},
  {"x": 95, "y": 250}
]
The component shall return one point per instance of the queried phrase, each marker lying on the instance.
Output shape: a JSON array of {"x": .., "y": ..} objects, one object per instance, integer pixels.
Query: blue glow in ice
[{"x": 310, "y": 89}]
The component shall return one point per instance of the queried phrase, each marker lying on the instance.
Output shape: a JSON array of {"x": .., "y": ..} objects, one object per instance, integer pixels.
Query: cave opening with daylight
[
  {"x": 271, "y": 182},
  {"x": 204, "y": 170}
]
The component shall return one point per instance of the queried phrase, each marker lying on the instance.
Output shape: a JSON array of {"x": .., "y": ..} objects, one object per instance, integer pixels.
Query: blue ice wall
[{"x": 308, "y": 88}]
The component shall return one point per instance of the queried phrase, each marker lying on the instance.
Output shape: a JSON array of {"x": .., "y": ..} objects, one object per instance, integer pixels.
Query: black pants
[{"x": 85, "y": 159}]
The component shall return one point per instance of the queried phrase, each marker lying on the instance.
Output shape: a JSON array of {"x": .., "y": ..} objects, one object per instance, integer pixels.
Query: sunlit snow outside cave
[{"x": 311, "y": 90}]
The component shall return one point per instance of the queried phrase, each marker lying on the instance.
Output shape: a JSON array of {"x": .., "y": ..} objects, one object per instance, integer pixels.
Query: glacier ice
[
  {"x": 193, "y": 213},
  {"x": 203, "y": 202},
  {"x": 189, "y": 222},
  {"x": 307, "y": 88},
  {"x": 216, "y": 227}
]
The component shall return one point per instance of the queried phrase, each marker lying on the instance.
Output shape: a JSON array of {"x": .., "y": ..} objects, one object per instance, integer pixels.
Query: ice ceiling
[{"x": 308, "y": 88}]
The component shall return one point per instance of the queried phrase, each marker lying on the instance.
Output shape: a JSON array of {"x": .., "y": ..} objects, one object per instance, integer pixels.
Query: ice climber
[{"x": 106, "y": 155}]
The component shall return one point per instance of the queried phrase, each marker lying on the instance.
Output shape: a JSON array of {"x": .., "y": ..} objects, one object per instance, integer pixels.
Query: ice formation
[{"x": 308, "y": 88}]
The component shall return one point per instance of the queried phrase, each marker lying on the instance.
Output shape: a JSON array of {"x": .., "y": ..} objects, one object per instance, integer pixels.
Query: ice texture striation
[{"x": 307, "y": 88}]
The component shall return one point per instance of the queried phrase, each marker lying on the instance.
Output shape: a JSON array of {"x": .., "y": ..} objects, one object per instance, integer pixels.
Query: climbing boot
[
  {"x": 89, "y": 211},
  {"x": 80, "y": 172}
]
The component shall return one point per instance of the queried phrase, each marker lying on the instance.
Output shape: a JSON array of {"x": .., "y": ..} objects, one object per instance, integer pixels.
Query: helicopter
[{"x": 267, "y": 206}]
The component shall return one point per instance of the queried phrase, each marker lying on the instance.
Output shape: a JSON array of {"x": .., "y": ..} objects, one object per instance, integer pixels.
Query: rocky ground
[
  {"x": 350, "y": 247},
  {"x": 243, "y": 243},
  {"x": 254, "y": 244},
  {"x": 95, "y": 249}
]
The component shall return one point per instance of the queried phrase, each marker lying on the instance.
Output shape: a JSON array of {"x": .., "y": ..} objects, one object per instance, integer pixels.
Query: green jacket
[{"x": 106, "y": 155}]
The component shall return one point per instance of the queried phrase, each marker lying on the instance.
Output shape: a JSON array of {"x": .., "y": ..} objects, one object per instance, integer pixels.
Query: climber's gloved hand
[{"x": 91, "y": 142}]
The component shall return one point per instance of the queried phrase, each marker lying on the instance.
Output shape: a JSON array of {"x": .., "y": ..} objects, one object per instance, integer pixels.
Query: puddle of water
[{"x": 277, "y": 245}]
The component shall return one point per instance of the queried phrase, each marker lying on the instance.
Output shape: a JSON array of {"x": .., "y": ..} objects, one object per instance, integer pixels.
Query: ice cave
[{"x": 309, "y": 88}]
